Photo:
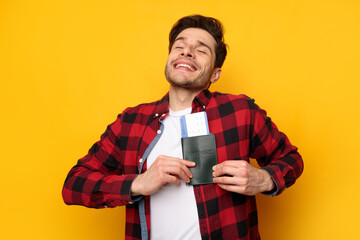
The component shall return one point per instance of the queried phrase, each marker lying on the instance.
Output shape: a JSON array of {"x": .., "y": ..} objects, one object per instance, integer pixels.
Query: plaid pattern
[{"x": 242, "y": 130}]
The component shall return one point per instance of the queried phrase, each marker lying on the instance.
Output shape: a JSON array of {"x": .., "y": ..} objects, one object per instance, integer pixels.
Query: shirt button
[
  {"x": 158, "y": 131},
  {"x": 163, "y": 115},
  {"x": 131, "y": 202},
  {"x": 156, "y": 115},
  {"x": 105, "y": 206},
  {"x": 140, "y": 161},
  {"x": 204, "y": 107}
]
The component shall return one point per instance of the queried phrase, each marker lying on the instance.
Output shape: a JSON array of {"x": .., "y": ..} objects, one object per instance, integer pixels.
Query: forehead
[{"x": 197, "y": 35}]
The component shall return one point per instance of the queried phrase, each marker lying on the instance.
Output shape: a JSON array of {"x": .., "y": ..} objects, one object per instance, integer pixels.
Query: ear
[{"x": 215, "y": 75}]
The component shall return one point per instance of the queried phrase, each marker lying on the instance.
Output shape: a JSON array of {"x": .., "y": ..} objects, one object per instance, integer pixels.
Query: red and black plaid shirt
[{"x": 242, "y": 130}]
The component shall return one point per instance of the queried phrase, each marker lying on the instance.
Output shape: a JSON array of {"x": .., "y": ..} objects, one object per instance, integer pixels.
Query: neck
[{"x": 180, "y": 98}]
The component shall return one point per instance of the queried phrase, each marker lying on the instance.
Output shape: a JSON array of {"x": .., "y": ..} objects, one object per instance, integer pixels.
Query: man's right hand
[{"x": 164, "y": 170}]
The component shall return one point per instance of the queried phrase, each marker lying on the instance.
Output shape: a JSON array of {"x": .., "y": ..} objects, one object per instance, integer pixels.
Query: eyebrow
[{"x": 198, "y": 41}]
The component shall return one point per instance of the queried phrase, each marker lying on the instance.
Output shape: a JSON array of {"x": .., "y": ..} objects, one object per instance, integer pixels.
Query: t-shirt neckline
[{"x": 179, "y": 113}]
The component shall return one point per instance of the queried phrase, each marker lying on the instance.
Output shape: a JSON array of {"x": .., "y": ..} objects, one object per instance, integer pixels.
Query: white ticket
[{"x": 195, "y": 124}]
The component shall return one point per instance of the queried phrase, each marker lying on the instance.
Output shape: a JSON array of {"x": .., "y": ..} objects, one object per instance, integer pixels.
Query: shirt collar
[{"x": 200, "y": 101}]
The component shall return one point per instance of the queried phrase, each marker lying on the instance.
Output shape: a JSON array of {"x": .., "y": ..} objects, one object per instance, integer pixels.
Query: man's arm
[
  {"x": 97, "y": 180},
  {"x": 280, "y": 162}
]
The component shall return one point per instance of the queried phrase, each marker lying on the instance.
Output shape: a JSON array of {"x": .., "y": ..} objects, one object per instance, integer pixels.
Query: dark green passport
[{"x": 202, "y": 150}]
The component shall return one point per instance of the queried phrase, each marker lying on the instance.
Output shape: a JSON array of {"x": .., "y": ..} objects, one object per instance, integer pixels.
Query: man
[{"x": 138, "y": 161}]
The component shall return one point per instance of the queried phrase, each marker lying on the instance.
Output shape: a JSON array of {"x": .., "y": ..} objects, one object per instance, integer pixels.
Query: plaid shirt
[{"x": 242, "y": 130}]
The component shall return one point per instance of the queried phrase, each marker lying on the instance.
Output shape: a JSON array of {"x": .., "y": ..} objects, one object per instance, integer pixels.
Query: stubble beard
[{"x": 198, "y": 83}]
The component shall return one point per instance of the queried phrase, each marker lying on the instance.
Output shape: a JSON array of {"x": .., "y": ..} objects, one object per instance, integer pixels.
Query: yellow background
[{"x": 67, "y": 68}]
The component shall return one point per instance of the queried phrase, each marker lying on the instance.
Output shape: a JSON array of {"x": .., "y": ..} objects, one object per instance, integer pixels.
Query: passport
[{"x": 202, "y": 150}]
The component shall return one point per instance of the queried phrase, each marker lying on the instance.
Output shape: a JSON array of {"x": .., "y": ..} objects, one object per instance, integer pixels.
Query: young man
[{"x": 138, "y": 161}]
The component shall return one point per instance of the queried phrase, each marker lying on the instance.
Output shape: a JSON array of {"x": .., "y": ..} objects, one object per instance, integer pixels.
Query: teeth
[{"x": 185, "y": 65}]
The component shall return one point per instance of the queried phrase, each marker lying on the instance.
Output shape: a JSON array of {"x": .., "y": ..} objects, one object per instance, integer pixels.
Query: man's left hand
[{"x": 241, "y": 177}]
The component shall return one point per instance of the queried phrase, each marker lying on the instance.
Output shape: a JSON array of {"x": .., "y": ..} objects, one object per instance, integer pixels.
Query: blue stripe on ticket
[{"x": 184, "y": 132}]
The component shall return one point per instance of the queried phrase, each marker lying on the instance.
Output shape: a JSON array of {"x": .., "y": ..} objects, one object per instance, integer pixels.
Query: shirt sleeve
[
  {"x": 273, "y": 151},
  {"x": 97, "y": 179}
]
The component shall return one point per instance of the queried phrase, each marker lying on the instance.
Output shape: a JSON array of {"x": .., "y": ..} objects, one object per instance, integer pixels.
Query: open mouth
[{"x": 185, "y": 66}]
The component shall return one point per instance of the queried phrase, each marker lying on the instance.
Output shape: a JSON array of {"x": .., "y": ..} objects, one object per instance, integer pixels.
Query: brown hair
[{"x": 209, "y": 24}]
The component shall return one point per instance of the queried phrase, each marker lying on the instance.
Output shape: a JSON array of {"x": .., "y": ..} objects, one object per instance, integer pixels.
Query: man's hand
[
  {"x": 164, "y": 170},
  {"x": 241, "y": 177}
]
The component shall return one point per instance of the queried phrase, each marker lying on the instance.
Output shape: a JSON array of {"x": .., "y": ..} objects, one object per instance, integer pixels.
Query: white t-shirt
[{"x": 173, "y": 209}]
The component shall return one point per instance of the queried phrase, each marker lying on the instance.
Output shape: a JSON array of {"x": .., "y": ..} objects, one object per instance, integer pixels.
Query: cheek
[
  {"x": 170, "y": 58},
  {"x": 206, "y": 61},
  {"x": 168, "y": 62}
]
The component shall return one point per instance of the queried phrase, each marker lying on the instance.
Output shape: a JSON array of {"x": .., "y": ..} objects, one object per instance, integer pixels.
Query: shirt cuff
[
  {"x": 121, "y": 191},
  {"x": 276, "y": 180}
]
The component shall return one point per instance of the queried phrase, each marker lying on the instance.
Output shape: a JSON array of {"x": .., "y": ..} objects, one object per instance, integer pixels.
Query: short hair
[{"x": 209, "y": 24}]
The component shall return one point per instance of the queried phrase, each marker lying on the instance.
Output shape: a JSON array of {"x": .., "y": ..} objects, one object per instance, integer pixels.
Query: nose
[{"x": 187, "y": 52}]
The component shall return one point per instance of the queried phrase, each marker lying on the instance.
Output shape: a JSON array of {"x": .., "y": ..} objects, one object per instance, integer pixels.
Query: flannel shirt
[{"x": 242, "y": 130}]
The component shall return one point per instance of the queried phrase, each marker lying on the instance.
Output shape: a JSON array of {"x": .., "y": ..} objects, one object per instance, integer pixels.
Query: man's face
[{"x": 190, "y": 63}]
